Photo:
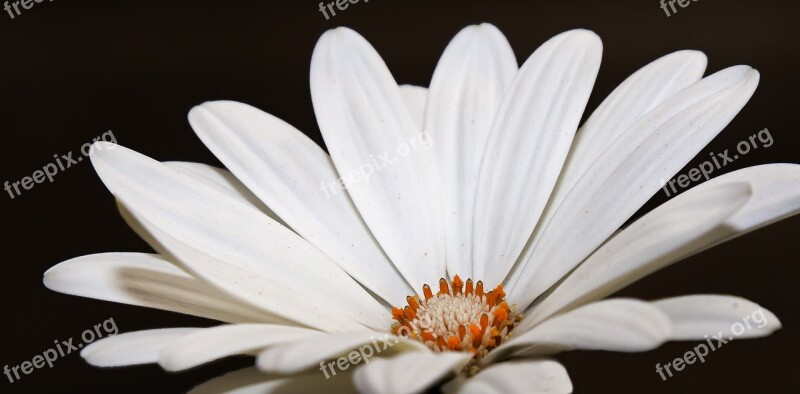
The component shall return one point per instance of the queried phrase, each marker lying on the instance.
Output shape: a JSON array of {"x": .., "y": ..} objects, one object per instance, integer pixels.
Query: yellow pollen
[{"x": 460, "y": 317}]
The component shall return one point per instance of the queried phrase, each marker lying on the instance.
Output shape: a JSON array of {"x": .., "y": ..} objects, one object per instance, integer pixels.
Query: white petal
[
  {"x": 467, "y": 88},
  {"x": 408, "y": 373},
  {"x": 150, "y": 281},
  {"x": 253, "y": 381},
  {"x": 234, "y": 246},
  {"x": 416, "y": 98},
  {"x": 371, "y": 134},
  {"x": 223, "y": 181},
  {"x": 697, "y": 317},
  {"x": 776, "y": 195},
  {"x": 627, "y": 174},
  {"x": 676, "y": 230},
  {"x": 297, "y": 180},
  {"x": 295, "y": 357},
  {"x": 636, "y": 96},
  {"x": 665, "y": 235},
  {"x": 241, "y": 285},
  {"x": 620, "y": 325},
  {"x": 219, "y": 342},
  {"x": 528, "y": 376},
  {"x": 528, "y": 145},
  {"x": 132, "y": 348}
]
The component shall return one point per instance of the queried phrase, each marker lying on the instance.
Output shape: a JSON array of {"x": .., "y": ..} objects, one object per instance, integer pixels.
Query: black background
[{"x": 72, "y": 70}]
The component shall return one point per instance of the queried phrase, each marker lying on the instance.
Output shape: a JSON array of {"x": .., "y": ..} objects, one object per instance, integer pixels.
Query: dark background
[{"x": 72, "y": 70}]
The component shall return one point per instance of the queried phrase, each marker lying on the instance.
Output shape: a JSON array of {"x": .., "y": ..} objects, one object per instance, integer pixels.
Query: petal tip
[
  {"x": 695, "y": 56},
  {"x": 583, "y": 35}
]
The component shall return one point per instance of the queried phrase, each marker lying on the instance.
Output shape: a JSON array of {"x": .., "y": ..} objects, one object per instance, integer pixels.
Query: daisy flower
[{"x": 465, "y": 266}]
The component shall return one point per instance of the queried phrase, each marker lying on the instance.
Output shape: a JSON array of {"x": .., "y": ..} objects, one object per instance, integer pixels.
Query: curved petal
[
  {"x": 370, "y": 133},
  {"x": 295, "y": 357},
  {"x": 684, "y": 226},
  {"x": 297, "y": 180},
  {"x": 416, "y": 98},
  {"x": 626, "y": 175},
  {"x": 253, "y": 381},
  {"x": 528, "y": 145},
  {"x": 697, "y": 317},
  {"x": 665, "y": 235},
  {"x": 408, "y": 373},
  {"x": 234, "y": 246},
  {"x": 619, "y": 325},
  {"x": 214, "y": 343},
  {"x": 527, "y": 376},
  {"x": 150, "y": 281},
  {"x": 223, "y": 181},
  {"x": 467, "y": 88},
  {"x": 132, "y": 348},
  {"x": 776, "y": 195},
  {"x": 636, "y": 96},
  {"x": 237, "y": 283}
]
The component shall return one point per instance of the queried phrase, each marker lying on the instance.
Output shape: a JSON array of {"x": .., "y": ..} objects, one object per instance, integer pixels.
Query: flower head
[{"x": 484, "y": 174}]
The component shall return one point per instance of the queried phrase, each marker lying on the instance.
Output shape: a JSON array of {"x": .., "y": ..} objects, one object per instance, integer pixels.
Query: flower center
[{"x": 457, "y": 318}]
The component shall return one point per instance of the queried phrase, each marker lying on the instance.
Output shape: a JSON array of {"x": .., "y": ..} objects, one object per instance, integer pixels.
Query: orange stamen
[
  {"x": 426, "y": 290},
  {"x": 440, "y": 342},
  {"x": 443, "y": 287},
  {"x": 484, "y": 321},
  {"x": 412, "y": 302},
  {"x": 453, "y": 343},
  {"x": 475, "y": 330},
  {"x": 409, "y": 313},
  {"x": 501, "y": 314},
  {"x": 490, "y": 298},
  {"x": 476, "y": 335},
  {"x": 398, "y": 313},
  {"x": 489, "y": 318},
  {"x": 457, "y": 283},
  {"x": 499, "y": 291}
]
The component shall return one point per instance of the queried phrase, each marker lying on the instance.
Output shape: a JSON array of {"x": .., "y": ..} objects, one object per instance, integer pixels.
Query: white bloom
[{"x": 506, "y": 195}]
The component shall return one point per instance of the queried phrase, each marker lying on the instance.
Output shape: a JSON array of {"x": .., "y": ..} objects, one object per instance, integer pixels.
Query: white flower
[{"x": 505, "y": 195}]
